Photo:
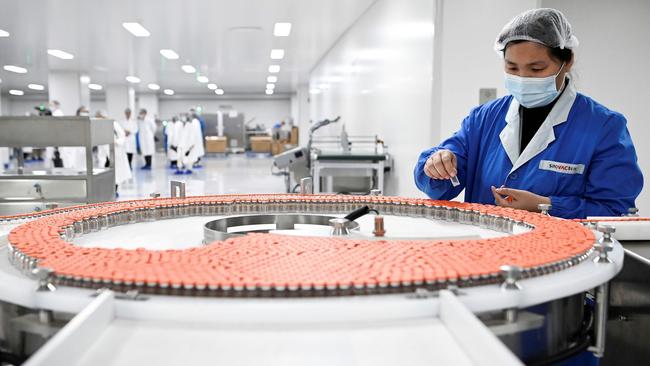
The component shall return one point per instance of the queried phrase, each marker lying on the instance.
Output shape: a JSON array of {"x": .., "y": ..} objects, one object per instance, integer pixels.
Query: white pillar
[
  {"x": 65, "y": 87},
  {"x": 84, "y": 93},
  {"x": 302, "y": 113},
  {"x": 118, "y": 98},
  {"x": 149, "y": 101}
]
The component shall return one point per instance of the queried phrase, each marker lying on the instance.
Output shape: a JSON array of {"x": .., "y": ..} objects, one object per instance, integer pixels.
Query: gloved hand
[
  {"x": 517, "y": 198},
  {"x": 441, "y": 165}
]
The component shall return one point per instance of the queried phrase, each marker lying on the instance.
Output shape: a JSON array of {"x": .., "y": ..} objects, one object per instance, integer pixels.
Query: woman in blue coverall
[{"x": 544, "y": 143}]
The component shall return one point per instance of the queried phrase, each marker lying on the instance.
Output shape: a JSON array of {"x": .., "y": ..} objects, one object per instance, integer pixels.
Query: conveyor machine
[{"x": 306, "y": 278}]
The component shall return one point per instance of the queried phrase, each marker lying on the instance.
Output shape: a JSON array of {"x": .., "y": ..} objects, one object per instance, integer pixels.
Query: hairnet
[{"x": 546, "y": 26}]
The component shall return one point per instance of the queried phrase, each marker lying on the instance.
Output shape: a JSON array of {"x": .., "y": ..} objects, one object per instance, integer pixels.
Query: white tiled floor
[{"x": 235, "y": 173}]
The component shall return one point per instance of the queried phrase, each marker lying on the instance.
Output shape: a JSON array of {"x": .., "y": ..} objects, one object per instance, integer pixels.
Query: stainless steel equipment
[{"x": 26, "y": 190}]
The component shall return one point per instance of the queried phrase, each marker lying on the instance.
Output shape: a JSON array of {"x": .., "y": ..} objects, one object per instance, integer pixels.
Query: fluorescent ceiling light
[
  {"x": 133, "y": 79},
  {"x": 272, "y": 79},
  {"x": 16, "y": 92},
  {"x": 270, "y": 86},
  {"x": 136, "y": 29},
  {"x": 60, "y": 54},
  {"x": 95, "y": 87},
  {"x": 153, "y": 86},
  {"x": 84, "y": 79},
  {"x": 36, "y": 87},
  {"x": 274, "y": 69},
  {"x": 269, "y": 91},
  {"x": 219, "y": 92},
  {"x": 323, "y": 86},
  {"x": 169, "y": 54},
  {"x": 4, "y": 33},
  {"x": 212, "y": 86},
  {"x": 314, "y": 91},
  {"x": 277, "y": 54},
  {"x": 16, "y": 69},
  {"x": 188, "y": 69},
  {"x": 202, "y": 79},
  {"x": 168, "y": 92},
  {"x": 281, "y": 29}
]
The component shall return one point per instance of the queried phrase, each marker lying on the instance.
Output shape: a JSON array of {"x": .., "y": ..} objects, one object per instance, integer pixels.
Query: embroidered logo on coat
[{"x": 558, "y": 167}]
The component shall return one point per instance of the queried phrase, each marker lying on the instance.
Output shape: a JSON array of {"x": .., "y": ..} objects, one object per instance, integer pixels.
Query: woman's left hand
[{"x": 516, "y": 198}]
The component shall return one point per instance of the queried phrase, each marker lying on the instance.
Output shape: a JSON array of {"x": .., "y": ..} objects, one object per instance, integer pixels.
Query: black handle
[{"x": 358, "y": 213}]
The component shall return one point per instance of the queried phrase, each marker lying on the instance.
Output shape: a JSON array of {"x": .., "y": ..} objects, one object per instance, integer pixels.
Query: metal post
[
  {"x": 177, "y": 186},
  {"x": 544, "y": 208},
  {"x": 306, "y": 185},
  {"x": 511, "y": 274},
  {"x": 44, "y": 276},
  {"x": 340, "y": 226},
  {"x": 602, "y": 247},
  {"x": 602, "y": 306}
]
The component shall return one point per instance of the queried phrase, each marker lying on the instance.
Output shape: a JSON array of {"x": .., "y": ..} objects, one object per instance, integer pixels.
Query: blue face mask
[{"x": 533, "y": 92}]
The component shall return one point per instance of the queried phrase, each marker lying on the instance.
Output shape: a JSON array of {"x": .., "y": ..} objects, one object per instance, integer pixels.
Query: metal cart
[{"x": 26, "y": 190}]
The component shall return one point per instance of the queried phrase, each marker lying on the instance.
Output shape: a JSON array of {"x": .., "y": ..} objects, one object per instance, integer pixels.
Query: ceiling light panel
[
  {"x": 60, "y": 54},
  {"x": 282, "y": 29},
  {"x": 136, "y": 29},
  {"x": 16, "y": 69},
  {"x": 277, "y": 54},
  {"x": 169, "y": 54},
  {"x": 36, "y": 87},
  {"x": 188, "y": 69}
]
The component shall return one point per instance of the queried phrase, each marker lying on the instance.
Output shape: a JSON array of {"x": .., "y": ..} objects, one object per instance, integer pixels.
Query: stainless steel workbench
[{"x": 24, "y": 190}]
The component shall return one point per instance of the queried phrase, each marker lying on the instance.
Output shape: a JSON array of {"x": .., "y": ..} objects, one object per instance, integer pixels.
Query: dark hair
[{"x": 564, "y": 55}]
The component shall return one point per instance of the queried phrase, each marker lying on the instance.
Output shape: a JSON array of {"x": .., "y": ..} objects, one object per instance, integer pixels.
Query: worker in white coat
[
  {"x": 187, "y": 152},
  {"x": 173, "y": 132},
  {"x": 147, "y": 130},
  {"x": 130, "y": 127},
  {"x": 122, "y": 168},
  {"x": 197, "y": 135}
]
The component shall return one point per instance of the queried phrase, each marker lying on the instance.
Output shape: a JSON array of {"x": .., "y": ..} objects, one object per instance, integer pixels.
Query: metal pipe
[{"x": 602, "y": 306}]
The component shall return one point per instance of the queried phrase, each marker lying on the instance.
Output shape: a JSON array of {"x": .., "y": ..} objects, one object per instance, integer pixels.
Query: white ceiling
[{"x": 229, "y": 41}]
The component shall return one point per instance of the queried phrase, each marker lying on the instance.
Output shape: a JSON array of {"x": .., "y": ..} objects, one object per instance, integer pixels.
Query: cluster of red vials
[{"x": 284, "y": 263}]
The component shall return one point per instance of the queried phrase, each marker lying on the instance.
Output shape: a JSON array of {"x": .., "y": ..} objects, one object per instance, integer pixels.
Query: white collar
[{"x": 510, "y": 138}]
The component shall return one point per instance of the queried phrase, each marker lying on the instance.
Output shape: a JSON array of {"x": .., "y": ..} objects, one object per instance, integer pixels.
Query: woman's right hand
[{"x": 441, "y": 165}]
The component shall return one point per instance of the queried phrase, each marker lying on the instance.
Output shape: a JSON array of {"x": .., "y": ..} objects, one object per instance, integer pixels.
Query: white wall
[
  {"x": 265, "y": 111},
  {"x": 467, "y": 60},
  {"x": 398, "y": 79},
  {"x": 611, "y": 64},
  {"x": 378, "y": 78}
]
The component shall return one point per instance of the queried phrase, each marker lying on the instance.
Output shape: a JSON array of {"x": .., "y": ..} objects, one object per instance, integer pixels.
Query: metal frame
[
  {"x": 320, "y": 165},
  {"x": 41, "y": 132}
]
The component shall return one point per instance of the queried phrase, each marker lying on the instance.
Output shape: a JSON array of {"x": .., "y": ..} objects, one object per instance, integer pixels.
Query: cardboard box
[
  {"x": 215, "y": 144},
  {"x": 293, "y": 138},
  {"x": 278, "y": 147},
  {"x": 260, "y": 144}
]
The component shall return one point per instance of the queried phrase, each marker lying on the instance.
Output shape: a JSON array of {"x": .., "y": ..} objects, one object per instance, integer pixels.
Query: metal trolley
[{"x": 26, "y": 190}]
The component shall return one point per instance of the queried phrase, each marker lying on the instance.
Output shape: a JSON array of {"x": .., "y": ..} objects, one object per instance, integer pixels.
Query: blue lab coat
[{"x": 582, "y": 157}]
